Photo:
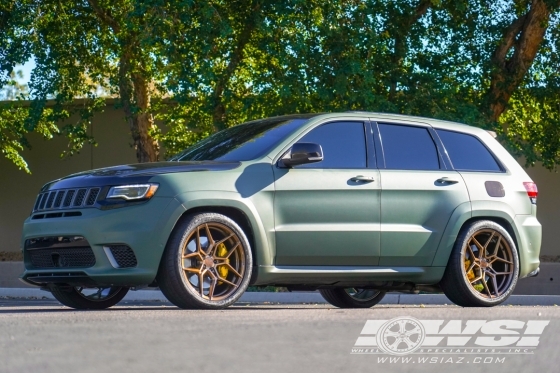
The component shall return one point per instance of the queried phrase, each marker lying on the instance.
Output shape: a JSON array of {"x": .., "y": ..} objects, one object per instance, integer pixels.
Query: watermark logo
[
  {"x": 406, "y": 335},
  {"x": 401, "y": 336}
]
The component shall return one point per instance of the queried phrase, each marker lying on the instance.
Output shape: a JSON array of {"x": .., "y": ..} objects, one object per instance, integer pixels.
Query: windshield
[{"x": 243, "y": 142}]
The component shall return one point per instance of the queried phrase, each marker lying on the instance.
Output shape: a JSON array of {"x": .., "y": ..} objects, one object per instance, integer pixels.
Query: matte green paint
[
  {"x": 415, "y": 209},
  {"x": 313, "y": 226},
  {"x": 322, "y": 217}
]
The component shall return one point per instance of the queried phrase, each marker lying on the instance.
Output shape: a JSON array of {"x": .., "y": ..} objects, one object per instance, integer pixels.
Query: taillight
[{"x": 532, "y": 191}]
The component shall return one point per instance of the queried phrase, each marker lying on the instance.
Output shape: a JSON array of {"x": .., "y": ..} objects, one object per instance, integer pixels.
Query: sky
[{"x": 26, "y": 69}]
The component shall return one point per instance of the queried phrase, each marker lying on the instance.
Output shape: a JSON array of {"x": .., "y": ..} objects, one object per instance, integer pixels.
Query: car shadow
[
  {"x": 254, "y": 179},
  {"x": 40, "y": 306}
]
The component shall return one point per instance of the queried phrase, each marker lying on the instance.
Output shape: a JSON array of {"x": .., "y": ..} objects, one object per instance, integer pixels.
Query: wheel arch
[
  {"x": 462, "y": 218},
  {"x": 235, "y": 214}
]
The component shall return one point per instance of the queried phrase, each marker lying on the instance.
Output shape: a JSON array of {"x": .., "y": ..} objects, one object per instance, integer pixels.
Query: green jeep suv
[{"x": 351, "y": 204}]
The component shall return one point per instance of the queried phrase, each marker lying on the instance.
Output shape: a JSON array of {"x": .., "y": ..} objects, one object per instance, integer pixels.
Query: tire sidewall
[
  {"x": 72, "y": 298},
  {"x": 338, "y": 297}
]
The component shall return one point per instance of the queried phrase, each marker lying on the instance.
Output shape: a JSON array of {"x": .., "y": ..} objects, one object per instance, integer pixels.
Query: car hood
[{"x": 134, "y": 173}]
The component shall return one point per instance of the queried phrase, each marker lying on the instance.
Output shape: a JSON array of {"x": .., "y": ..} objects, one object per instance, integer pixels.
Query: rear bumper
[
  {"x": 529, "y": 236},
  {"x": 144, "y": 228}
]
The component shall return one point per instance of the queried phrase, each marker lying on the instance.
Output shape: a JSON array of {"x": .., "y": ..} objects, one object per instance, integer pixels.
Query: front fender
[{"x": 261, "y": 223}]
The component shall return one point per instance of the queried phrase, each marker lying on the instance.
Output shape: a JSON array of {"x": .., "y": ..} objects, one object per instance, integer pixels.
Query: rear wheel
[
  {"x": 483, "y": 268},
  {"x": 207, "y": 263},
  {"x": 352, "y": 297},
  {"x": 89, "y": 298}
]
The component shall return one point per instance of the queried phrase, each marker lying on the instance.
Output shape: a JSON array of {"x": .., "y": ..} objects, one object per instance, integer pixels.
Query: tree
[
  {"x": 135, "y": 50},
  {"x": 200, "y": 66},
  {"x": 13, "y": 88},
  {"x": 490, "y": 64}
]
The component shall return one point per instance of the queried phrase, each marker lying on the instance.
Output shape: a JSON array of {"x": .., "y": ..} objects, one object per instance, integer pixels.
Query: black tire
[
  {"x": 343, "y": 298},
  {"x": 74, "y": 297},
  {"x": 469, "y": 284},
  {"x": 175, "y": 278}
]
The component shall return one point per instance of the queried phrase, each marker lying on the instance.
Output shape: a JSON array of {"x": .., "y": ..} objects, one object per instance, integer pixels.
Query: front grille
[
  {"x": 66, "y": 198},
  {"x": 124, "y": 256},
  {"x": 92, "y": 196},
  {"x": 70, "y": 257},
  {"x": 58, "y": 199},
  {"x": 80, "y": 197},
  {"x": 69, "y": 198}
]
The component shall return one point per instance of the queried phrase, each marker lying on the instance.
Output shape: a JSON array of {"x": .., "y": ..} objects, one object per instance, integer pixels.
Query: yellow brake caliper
[
  {"x": 471, "y": 276},
  {"x": 220, "y": 253}
]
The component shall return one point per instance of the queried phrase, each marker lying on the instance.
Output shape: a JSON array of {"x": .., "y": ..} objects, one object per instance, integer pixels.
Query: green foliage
[
  {"x": 208, "y": 65},
  {"x": 13, "y": 88},
  {"x": 14, "y": 127}
]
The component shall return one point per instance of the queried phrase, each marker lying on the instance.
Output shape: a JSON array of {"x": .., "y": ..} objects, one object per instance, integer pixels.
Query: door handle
[
  {"x": 446, "y": 180},
  {"x": 366, "y": 179}
]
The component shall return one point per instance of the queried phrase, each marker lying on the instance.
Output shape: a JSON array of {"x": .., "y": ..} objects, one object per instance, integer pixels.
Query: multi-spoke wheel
[
  {"x": 483, "y": 268},
  {"x": 89, "y": 298},
  {"x": 352, "y": 297},
  {"x": 207, "y": 263}
]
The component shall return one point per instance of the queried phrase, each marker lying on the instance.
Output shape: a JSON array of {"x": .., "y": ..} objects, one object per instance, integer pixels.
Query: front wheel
[
  {"x": 206, "y": 264},
  {"x": 483, "y": 268},
  {"x": 352, "y": 297},
  {"x": 82, "y": 298}
]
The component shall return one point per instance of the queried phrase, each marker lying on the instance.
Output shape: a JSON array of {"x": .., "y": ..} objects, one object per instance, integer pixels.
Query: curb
[{"x": 296, "y": 297}]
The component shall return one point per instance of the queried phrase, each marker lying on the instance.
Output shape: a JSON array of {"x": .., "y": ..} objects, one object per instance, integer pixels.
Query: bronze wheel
[
  {"x": 213, "y": 261},
  {"x": 207, "y": 263},
  {"x": 483, "y": 268},
  {"x": 488, "y": 263}
]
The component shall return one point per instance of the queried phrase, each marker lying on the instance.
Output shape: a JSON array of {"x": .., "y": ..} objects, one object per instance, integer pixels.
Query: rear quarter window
[{"x": 467, "y": 153}]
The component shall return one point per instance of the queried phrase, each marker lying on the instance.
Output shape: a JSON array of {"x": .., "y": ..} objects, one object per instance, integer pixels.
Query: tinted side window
[
  {"x": 467, "y": 152},
  {"x": 408, "y": 148},
  {"x": 243, "y": 142},
  {"x": 343, "y": 143}
]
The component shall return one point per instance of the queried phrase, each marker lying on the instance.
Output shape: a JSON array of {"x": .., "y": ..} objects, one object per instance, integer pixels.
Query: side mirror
[{"x": 303, "y": 153}]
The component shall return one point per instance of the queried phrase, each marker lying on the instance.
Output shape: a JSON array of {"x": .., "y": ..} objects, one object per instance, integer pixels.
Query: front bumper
[{"x": 145, "y": 228}]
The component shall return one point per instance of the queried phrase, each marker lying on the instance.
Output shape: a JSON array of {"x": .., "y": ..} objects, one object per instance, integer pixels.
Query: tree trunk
[
  {"x": 524, "y": 36},
  {"x": 135, "y": 98},
  {"x": 134, "y": 92}
]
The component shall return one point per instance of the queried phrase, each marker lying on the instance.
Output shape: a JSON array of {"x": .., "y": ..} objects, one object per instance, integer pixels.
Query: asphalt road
[{"x": 42, "y": 336}]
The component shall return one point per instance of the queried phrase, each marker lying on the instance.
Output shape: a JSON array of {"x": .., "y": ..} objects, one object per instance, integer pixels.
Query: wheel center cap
[
  {"x": 483, "y": 263},
  {"x": 209, "y": 262}
]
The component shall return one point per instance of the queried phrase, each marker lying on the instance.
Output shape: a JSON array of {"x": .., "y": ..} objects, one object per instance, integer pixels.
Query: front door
[
  {"x": 328, "y": 213},
  {"x": 418, "y": 198}
]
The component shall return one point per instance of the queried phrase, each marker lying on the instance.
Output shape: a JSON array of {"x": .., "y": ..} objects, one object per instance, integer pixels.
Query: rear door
[{"x": 419, "y": 193}]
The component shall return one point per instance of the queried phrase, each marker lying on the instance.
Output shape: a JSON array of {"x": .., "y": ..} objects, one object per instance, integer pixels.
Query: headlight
[{"x": 133, "y": 192}]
